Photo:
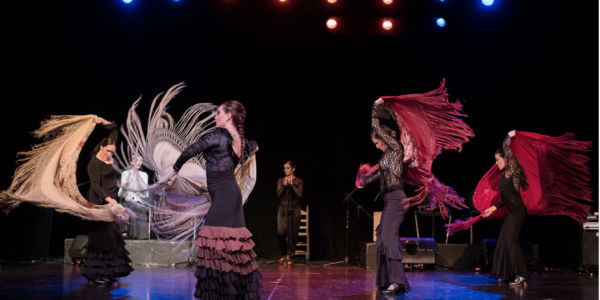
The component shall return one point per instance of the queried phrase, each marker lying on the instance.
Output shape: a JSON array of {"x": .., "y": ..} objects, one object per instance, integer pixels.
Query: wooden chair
[{"x": 303, "y": 245}]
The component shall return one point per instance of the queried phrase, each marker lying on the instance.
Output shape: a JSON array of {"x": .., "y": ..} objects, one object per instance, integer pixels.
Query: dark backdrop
[{"x": 525, "y": 65}]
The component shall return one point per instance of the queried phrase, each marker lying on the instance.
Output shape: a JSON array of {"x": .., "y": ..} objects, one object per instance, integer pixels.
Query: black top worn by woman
[
  {"x": 103, "y": 176},
  {"x": 216, "y": 149},
  {"x": 509, "y": 259},
  {"x": 391, "y": 163},
  {"x": 291, "y": 192},
  {"x": 106, "y": 256}
]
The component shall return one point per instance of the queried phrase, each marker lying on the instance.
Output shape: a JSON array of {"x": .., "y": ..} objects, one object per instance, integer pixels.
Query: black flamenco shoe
[
  {"x": 96, "y": 281},
  {"x": 519, "y": 281},
  {"x": 112, "y": 279},
  {"x": 398, "y": 289},
  {"x": 381, "y": 288}
]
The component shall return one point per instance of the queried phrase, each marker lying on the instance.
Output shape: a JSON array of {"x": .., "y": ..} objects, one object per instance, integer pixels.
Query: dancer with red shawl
[
  {"x": 428, "y": 123},
  {"x": 390, "y": 271},
  {"x": 538, "y": 175},
  {"x": 509, "y": 260}
]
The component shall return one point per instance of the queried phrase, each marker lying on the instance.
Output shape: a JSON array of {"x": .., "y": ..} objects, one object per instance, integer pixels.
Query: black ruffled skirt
[
  {"x": 106, "y": 256},
  {"x": 226, "y": 267}
]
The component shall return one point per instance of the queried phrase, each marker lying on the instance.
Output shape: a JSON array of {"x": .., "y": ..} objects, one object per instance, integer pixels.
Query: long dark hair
[
  {"x": 238, "y": 116},
  {"x": 387, "y": 130},
  {"x": 522, "y": 175}
]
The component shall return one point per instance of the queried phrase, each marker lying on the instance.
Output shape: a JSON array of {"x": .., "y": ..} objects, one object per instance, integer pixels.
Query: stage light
[
  {"x": 127, "y": 1},
  {"x": 281, "y": 0},
  {"x": 388, "y": 1},
  {"x": 441, "y": 22},
  {"x": 331, "y": 23},
  {"x": 487, "y": 2},
  {"x": 332, "y": 1},
  {"x": 387, "y": 25}
]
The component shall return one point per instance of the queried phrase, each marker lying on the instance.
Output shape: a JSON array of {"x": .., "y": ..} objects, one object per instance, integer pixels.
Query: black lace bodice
[
  {"x": 216, "y": 149},
  {"x": 509, "y": 184},
  {"x": 391, "y": 163}
]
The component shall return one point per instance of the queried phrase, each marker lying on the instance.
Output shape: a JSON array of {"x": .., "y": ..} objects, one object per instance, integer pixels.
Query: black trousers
[
  {"x": 389, "y": 253},
  {"x": 291, "y": 220}
]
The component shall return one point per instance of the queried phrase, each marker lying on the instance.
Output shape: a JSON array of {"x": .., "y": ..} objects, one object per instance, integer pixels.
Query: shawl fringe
[{"x": 435, "y": 124}]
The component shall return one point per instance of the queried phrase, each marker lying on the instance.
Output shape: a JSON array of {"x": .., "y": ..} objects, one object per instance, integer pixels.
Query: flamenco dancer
[
  {"x": 428, "y": 123},
  {"x": 106, "y": 257},
  {"x": 226, "y": 266},
  {"x": 390, "y": 270},
  {"x": 289, "y": 190},
  {"x": 46, "y": 178},
  {"x": 534, "y": 174},
  {"x": 509, "y": 260}
]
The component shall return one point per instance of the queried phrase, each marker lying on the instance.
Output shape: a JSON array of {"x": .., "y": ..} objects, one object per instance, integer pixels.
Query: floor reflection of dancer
[
  {"x": 289, "y": 190},
  {"x": 390, "y": 270},
  {"x": 509, "y": 260},
  {"x": 226, "y": 266},
  {"x": 106, "y": 257},
  {"x": 136, "y": 179}
]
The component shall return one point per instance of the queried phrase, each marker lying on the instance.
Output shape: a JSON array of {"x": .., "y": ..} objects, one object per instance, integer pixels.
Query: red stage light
[
  {"x": 388, "y": 1},
  {"x": 331, "y": 23},
  {"x": 387, "y": 25},
  {"x": 281, "y": 0},
  {"x": 332, "y": 1}
]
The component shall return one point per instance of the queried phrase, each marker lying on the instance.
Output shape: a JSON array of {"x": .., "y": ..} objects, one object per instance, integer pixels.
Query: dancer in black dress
[
  {"x": 226, "y": 267},
  {"x": 390, "y": 270},
  {"x": 106, "y": 257},
  {"x": 509, "y": 260},
  {"x": 289, "y": 190}
]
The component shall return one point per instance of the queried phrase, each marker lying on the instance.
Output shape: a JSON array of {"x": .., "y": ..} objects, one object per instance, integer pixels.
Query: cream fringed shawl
[{"x": 46, "y": 178}]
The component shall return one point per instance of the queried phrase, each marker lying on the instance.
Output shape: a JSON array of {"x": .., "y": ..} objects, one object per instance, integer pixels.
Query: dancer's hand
[
  {"x": 489, "y": 211},
  {"x": 254, "y": 151},
  {"x": 512, "y": 133},
  {"x": 379, "y": 101},
  {"x": 110, "y": 200},
  {"x": 101, "y": 121}
]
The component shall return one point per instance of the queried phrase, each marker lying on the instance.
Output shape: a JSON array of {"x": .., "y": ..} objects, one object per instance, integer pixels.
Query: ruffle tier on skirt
[
  {"x": 226, "y": 267},
  {"x": 106, "y": 256},
  {"x": 104, "y": 264}
]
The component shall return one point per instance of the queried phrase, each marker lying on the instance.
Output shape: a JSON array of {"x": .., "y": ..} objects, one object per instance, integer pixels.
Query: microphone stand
[
  {"x": 191, "y": 259},
  {"x": 347, "y": 199}
]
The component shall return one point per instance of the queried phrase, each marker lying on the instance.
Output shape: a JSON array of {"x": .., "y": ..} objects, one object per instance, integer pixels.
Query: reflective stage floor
[{"x": 54, "y": 280}]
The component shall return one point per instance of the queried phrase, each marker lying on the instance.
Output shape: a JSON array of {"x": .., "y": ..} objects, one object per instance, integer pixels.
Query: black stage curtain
[{"x": 308, "y": 95}]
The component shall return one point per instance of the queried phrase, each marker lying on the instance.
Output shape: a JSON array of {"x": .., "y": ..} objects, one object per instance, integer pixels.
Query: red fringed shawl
[
  {"x": 434, "y": 124},
  {"x": 557, "y": 173}
]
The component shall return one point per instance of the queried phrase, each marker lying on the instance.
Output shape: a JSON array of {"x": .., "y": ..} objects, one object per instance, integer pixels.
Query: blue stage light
[
  {"x": 441, "y": 22},
  {"x": 487, "y": 2},
  {"x": 127, "y": 1}
]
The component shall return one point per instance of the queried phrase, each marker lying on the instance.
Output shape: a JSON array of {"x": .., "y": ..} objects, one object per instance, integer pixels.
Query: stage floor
[{"x": 54, "y": 280}]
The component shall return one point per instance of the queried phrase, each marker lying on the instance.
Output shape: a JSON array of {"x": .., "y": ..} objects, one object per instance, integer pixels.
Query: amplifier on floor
[
  {"x": 589, "y": 247},
  {"x": 367, "y": 257},
  {"x": 78, "y": 248},
  {"x": 418, "y": 250}
]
